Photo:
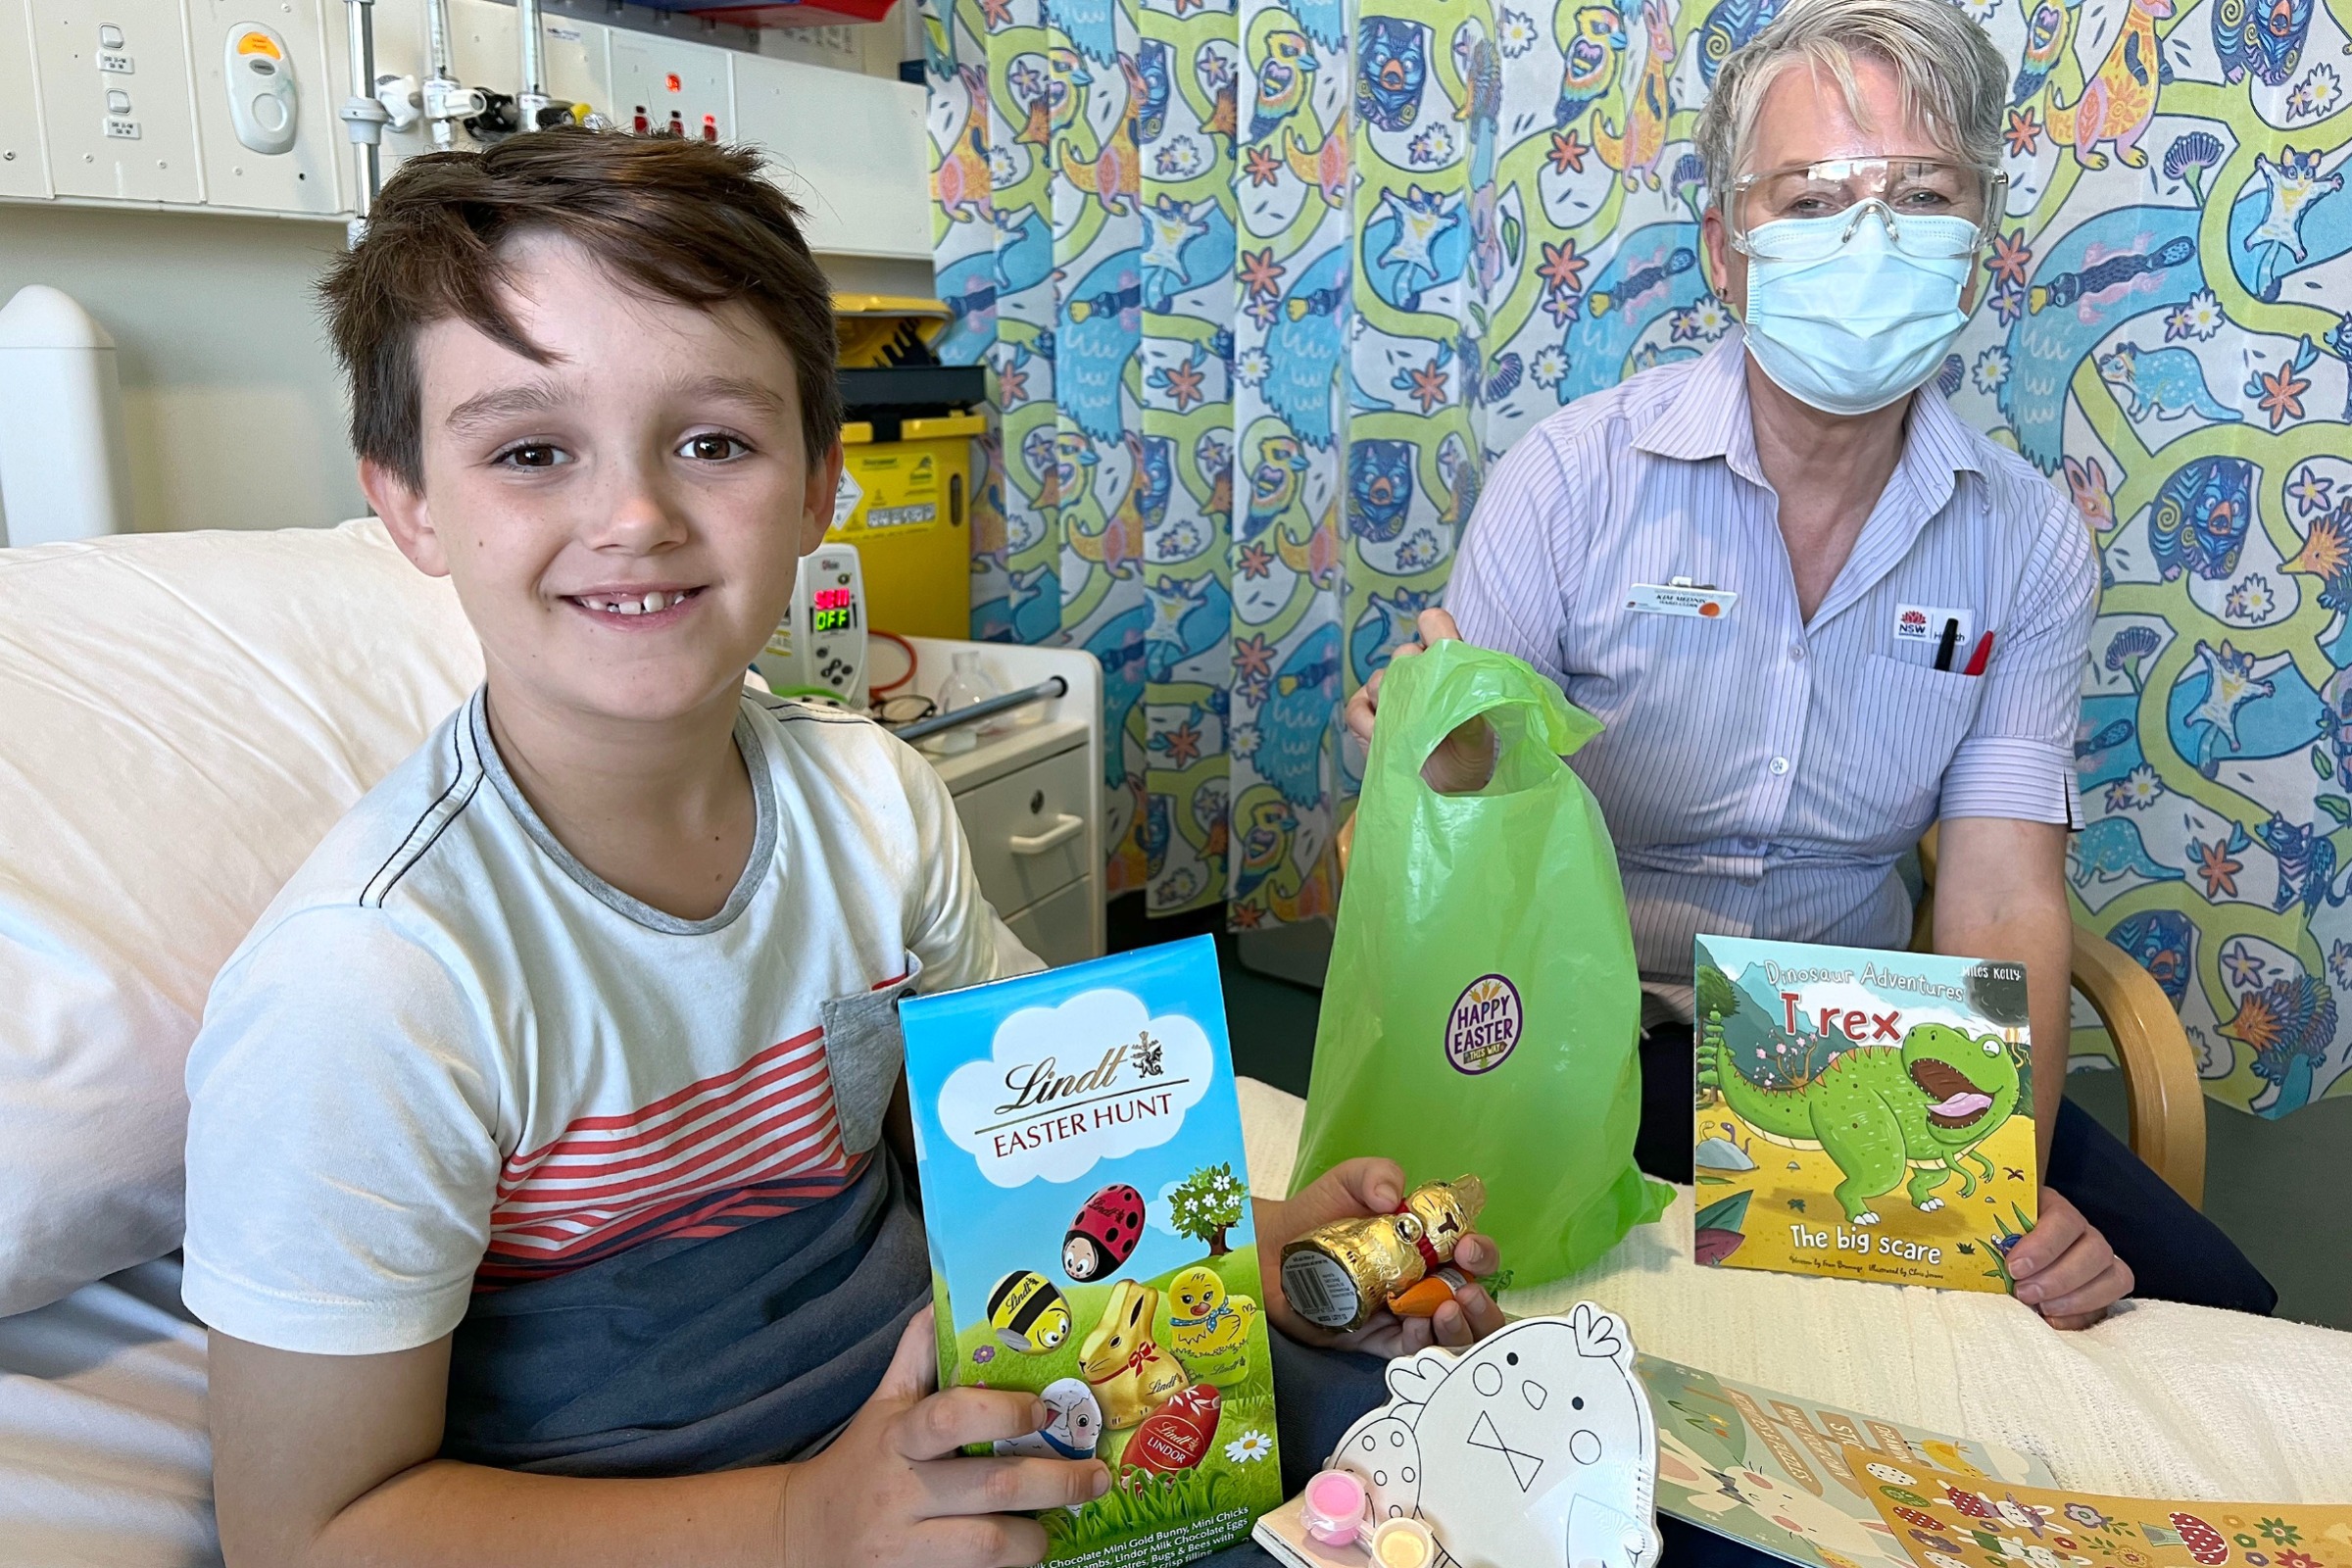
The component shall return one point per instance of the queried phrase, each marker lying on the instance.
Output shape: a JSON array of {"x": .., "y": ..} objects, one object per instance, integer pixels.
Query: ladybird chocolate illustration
[
  {"x": 1093, "y": 1109},
  {"x": 1105, "y": 1232}
]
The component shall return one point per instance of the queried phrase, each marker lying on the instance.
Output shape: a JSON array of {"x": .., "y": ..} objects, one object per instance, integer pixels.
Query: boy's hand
[
  {"x": 1361, "y": 1187},
  {"x": 892, "y": 1487},
  {"x": 1465, "y": 759},
  {"x": 2064, "y": 1268}
]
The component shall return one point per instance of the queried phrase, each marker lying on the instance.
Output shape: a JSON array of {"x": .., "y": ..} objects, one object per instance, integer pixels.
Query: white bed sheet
[
  {"x": 104, "y": 1459},
  {"x": 2160, "y": 1400}
]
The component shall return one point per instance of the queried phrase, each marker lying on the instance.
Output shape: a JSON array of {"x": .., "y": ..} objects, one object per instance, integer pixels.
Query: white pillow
[{"x": 182, "y": 718}]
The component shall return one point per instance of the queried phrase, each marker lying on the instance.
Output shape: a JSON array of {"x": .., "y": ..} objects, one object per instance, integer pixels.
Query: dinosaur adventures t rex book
[{"x": 1862, "y": 1114}]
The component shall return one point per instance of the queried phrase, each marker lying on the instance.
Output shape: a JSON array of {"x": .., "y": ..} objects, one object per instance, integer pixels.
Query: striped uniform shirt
[
  {"x": 1761, "y": 775},
  {"x": 451, "y": 1058}
]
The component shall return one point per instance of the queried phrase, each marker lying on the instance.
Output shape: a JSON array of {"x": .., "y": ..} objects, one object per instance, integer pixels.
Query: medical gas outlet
[{"x": 262, "y": 108}]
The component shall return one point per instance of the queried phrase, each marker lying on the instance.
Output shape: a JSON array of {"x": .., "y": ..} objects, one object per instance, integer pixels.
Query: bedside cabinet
[{"x": 1031, "y": 799}]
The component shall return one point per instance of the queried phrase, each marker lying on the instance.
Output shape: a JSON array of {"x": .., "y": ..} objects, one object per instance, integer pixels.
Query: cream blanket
[{"x": 2160, "y": 1401}]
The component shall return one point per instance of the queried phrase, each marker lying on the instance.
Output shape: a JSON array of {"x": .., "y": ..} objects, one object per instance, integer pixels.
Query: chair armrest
[
  {"x": 1342, "y": 847},
  {"x": 2160, "y": 1072}
]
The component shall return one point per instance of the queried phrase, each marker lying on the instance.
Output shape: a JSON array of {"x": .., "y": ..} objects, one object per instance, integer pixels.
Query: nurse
[{"x": 1875, "y": 619}]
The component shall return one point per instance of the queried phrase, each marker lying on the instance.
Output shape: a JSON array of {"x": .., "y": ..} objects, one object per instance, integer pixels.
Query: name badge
[
  {"x": 1680, "y": 599},
  {"x": 1922, "y": 626}
]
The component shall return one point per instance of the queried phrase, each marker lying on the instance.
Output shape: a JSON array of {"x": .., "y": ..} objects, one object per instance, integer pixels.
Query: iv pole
[
  {"x": 364, "y": 117},
  {"x": 531, "y": 101}
]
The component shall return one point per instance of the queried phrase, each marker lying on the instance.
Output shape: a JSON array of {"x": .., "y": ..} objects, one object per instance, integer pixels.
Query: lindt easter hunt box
[{"x": 1079, "y": 1145}]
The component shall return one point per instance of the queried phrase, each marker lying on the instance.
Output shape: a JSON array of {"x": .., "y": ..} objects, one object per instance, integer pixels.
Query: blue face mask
[{"x": 1848, "y": 321}]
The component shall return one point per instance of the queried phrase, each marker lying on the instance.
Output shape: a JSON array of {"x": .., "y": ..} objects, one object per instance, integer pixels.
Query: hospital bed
[{"x": 185, "y": 715}]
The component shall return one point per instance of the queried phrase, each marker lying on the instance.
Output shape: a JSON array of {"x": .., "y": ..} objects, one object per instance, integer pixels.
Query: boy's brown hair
[{"x": 684, "y": 221}]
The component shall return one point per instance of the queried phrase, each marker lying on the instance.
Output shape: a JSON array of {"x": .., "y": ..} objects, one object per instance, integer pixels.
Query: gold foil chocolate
[
  {"x": 1446, "y": 1211},
  {"x": 1336, "y": 1275}
]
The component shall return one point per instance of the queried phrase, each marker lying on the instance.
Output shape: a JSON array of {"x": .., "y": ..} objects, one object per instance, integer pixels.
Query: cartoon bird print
[
  {"x": 1284, "y": 77},
  {"x": 1274, "y": 484},
  {"x": 1588, "y": 68},
  {"x": 1265, "y": 844},
  {"x": 1100, "y": 333},
  {"x": 1304, "y": 343},
  {"x": 1209, "y": 1328},
  {"x": 1295, "y": 724},
  {"x": 2047, "y": 25}
]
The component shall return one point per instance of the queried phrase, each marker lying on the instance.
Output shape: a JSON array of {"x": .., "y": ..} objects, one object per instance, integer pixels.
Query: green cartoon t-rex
[{"x": 1878, "y": 1110}]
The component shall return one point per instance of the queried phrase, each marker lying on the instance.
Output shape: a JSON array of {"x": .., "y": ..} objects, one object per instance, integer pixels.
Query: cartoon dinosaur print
[
  {"x": 1880, "y": 1112},
  {"x": 2119, "y": 101},
  {"x": 1634, "y": 150}
]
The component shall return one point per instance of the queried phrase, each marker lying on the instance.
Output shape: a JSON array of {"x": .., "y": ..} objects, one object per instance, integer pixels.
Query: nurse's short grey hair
[{"x": 1950, "y": 75}]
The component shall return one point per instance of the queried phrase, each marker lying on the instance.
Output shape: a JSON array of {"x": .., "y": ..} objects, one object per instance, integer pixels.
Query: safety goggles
[{"x": 1932, "y": 207}]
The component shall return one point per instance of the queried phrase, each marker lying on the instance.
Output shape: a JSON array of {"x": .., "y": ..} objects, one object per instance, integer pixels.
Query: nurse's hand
[
  {"x": 2064, "y": 1268},
  {"x": 1465, "y": 759}
]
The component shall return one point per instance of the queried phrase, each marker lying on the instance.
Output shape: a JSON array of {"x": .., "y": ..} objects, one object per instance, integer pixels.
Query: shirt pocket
[
  {"x": 1912, "y": 720},
  {"x": 864, "y": 1052}
]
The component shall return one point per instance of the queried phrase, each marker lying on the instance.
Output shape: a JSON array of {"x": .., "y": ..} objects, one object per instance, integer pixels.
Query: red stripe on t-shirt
[{"x": 759, "y": 1140}]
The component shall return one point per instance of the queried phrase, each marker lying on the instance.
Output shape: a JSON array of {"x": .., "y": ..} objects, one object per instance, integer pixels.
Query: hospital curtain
[{"x": 1265, "y": 289}]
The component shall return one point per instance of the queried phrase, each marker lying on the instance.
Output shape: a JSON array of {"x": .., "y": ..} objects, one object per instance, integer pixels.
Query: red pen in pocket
[{"x": 1976, "y": 661}]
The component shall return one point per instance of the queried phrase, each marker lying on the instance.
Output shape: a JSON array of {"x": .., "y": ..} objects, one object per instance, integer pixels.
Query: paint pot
[
  {"x": 1332, "y": 1508},
  {"x": 1403, "y": 1543}
]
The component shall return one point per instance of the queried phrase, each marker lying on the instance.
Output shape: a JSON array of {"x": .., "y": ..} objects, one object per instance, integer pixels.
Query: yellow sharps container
[{"x": 906, "y": 450}]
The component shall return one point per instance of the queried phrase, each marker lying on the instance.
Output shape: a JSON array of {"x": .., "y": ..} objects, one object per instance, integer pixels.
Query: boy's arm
[
  {"x": 950, "y": 924},
  {"x": 323, "y": 1459}
]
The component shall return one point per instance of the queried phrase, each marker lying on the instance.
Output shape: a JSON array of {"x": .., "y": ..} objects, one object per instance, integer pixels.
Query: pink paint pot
[{"x": 1334, "y": 1509}]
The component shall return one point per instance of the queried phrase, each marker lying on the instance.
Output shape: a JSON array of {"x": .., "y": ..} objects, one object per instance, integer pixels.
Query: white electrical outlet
[
  {"x": 664, "y": 86},
  {"x": 84, "y": 50}
]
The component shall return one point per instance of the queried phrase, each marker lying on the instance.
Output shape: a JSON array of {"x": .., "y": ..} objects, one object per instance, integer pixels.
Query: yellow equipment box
[
  {"x": 904, "y": 503},
  {"x": 911, "y": 524}
]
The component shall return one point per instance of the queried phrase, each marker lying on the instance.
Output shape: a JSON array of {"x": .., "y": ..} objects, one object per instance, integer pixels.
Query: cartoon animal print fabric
[{"x": 1323, "y": 263}]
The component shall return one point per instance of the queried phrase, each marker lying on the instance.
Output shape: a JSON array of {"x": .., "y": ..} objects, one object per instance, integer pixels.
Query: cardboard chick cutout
[{"x": 1532, "y": 1449}]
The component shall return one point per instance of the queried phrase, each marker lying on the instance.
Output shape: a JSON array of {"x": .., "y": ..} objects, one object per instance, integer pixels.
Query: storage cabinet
[{"x": 1031, "y": 799}]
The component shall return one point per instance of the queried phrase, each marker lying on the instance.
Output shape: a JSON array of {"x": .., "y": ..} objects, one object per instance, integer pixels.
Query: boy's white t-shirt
[{"x": 450, "y": 1057}]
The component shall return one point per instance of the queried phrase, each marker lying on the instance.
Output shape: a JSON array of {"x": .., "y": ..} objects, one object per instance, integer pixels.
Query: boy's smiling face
[{"x": 622, "y": 522}]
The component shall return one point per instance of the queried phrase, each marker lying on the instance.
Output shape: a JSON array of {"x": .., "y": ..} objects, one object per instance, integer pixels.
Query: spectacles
[{"x": 1932, "y": 207}]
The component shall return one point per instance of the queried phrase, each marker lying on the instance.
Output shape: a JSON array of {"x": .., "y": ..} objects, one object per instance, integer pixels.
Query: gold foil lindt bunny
[{"x": 1337, "y": 1275}]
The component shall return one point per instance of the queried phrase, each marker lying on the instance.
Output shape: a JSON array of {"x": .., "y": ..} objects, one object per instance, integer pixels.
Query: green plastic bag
[{"x": 1483, "y": 1005}]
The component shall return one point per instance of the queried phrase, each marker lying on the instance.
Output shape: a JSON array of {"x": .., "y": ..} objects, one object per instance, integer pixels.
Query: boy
[{"x": 542, "y": 1137}]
